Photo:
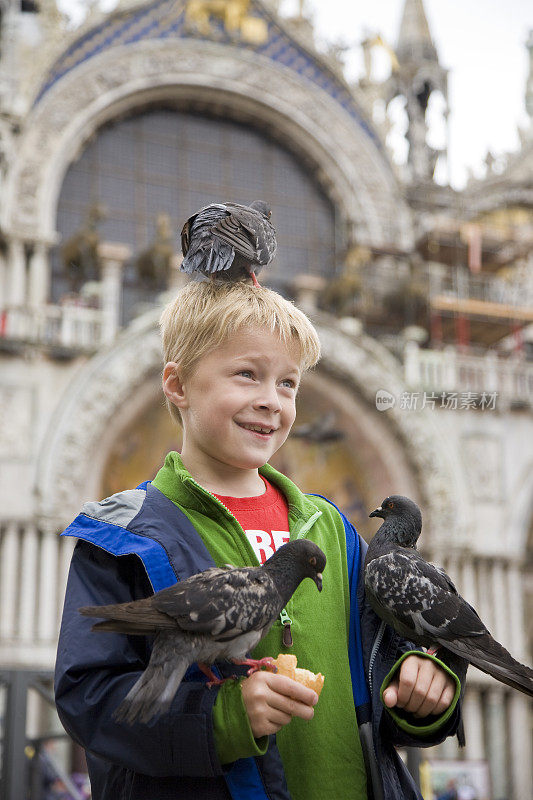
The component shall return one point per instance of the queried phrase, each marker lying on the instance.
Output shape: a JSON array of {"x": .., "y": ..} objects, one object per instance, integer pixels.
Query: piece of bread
[{"x": 286, "y": 665}]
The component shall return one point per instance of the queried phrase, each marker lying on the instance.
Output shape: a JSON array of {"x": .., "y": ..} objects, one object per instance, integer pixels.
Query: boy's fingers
[
  {"x": 438, "y": 698},
  {"x": 390, "y": 695},
  {"x": 424, "y": 705},
  {"x": 292, "y": 698},
  {"x": 289, "y": 688},
  {"x": 408, "y": 680},
  {"x": 278, "y": 718}
]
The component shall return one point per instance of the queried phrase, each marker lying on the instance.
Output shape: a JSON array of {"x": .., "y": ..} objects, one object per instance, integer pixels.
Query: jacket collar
[{"x": 176, "y": 482}]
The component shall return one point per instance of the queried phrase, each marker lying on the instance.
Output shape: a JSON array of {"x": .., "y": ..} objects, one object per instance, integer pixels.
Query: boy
[{"x": 234, "y": 358}]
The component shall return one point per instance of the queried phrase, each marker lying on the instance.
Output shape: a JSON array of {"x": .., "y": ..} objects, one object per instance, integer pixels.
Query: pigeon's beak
[
  {"x": 318, "y": 580},
  {"x": 378, "y": 512}
]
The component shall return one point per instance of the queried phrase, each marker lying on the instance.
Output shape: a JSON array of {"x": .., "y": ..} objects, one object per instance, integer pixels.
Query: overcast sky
[{"x": 481, "y": 42}]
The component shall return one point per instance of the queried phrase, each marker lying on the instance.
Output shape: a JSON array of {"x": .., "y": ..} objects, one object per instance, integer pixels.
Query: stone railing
[
  {"x": 69, "y": 327},
  {"x": 448, "y": 370},
  {"x": 74, "y": 325},
  {"x": 461, "y": 285}
]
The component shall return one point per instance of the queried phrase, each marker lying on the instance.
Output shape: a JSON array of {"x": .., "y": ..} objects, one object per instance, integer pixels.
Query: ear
[{"x": 173, "y": 385}]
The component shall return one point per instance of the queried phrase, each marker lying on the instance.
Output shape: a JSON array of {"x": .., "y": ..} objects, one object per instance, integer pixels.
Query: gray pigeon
[
  {"x": 216, "y": 614},
  {"x": 420, "y": 601},
  {"x": 229, "y": 241}
]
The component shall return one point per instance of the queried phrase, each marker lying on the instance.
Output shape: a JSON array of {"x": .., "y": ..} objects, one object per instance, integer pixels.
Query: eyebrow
[{"x": 261, "y": 357}]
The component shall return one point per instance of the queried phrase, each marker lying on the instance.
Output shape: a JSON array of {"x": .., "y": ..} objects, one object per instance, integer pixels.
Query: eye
[
  {"x": 289, "y": 382},
  {"x": 390, "y": 505},
  {"x": 312, "y": 561},
  {"x": 247, "y": 373}
]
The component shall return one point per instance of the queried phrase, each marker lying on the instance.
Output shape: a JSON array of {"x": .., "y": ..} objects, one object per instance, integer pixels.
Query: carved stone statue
[
  {"x": 80, "y": 252},
  {"x": 153, "y": 265}
]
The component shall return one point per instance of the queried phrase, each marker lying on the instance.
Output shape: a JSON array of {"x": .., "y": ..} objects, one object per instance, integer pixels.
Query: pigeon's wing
[
  {"x": 260, "y": 232},
  {"x": 221, "y": 603},
  {"x": 235, "y": 230}
]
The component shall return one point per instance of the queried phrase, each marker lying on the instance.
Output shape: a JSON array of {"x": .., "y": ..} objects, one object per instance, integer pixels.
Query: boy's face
[{"x": 249, "y": 381}]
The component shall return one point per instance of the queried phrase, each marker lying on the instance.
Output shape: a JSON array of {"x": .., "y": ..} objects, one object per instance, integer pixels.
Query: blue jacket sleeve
[{"x": 95, "y": 671}]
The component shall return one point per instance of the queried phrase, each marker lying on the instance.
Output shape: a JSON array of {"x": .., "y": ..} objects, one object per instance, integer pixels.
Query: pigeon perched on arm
[
  {"x": 215, "y": 614},
  {"x": 229, "y": 240},
  {"x": 420, "y": 601}
]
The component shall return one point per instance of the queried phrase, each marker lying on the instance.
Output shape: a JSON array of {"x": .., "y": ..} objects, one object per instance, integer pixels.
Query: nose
[{"x": 268, "y": 398}]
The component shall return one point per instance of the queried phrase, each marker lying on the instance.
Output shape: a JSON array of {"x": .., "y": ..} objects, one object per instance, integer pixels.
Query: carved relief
[
  {"x": 483, "y": 460},
  {"x": 16, "y": 418}
]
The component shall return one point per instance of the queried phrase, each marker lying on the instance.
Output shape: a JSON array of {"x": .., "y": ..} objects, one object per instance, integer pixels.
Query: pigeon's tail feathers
[
  {"x": 153, "y": 693},
  {"x": 489, "y": 656},
  {"x": 131, "y": 628},
  {"x": 461, "y": 739},
  {"x": 208, "y": 257}
]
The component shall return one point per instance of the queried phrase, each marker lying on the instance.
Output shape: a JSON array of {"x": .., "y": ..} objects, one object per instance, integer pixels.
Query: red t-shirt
[{"x": 265, "y": 519}]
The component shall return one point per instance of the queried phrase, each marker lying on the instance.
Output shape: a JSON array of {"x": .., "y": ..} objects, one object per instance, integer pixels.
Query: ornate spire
[
  {"x": 414, "y": 40},
  {"x": 417, "y": 76}
]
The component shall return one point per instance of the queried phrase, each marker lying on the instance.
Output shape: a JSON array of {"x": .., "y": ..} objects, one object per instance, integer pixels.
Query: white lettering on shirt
[{"x": 265, "y": 543}]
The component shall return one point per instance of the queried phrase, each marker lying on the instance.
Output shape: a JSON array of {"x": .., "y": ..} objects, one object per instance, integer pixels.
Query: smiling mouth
[{"x": 263, "y": 431}]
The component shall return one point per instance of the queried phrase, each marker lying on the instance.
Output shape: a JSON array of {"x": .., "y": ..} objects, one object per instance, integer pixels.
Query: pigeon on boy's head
[
  {"x": 420, "y": 601},
  {"x": 229, "y": 241}
]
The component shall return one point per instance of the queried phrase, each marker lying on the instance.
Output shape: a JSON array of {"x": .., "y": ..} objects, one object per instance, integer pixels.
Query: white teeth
[{"x": 256, "y": 428}]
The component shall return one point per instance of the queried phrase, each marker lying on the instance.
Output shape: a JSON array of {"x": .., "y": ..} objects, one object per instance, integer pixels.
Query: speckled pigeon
[
  {"x": 420, "y": 601},
  {"x": 216, "y": 614},
  {"x": 229, "y": 241}
]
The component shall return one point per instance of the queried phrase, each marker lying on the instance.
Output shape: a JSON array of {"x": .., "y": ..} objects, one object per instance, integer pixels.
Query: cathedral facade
[{"x": 110, "y": 137}]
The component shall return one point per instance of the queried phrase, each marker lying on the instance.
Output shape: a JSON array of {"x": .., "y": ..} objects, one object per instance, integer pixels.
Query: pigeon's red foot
[
  {"x": 254, "y": 279},
  {"x": 213, "y": 679},
  {"x": 432, "y": 651},
  {"x": 256, "y": 664}
]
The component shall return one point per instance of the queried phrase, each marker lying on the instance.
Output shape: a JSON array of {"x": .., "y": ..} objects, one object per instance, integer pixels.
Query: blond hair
[{"x": 204, "y": 315}]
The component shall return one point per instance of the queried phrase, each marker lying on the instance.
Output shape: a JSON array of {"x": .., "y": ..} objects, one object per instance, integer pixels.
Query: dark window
[{"x": 174, "y": 162}]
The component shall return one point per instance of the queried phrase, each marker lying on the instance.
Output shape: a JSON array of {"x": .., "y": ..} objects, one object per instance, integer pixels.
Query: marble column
[
  {"x": 47, "y": 617},
  {"x": 521, "y": 747},
  {"x": 516, "y": 620},
  {"x": 113, "y": 257},
  {"x": 9, "y": 570},
  {"x": 28, "y": 582},
  {"x": 468, "y": 587},
  {"x": 16, "y": 292},
  {"x": 484, "y": 582},
  {"x": 500, "y": 603},
  {"x": 497, "y": 743},
  {"x": 3, "y": 279},
  {"x": 39, "y": 275},
  {"x": 473, "y": 720}
]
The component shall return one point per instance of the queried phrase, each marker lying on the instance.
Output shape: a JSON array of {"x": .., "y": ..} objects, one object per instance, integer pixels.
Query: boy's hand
[
  {"x": 421, "y": 687},
  {"x": 271, "y": 701}
]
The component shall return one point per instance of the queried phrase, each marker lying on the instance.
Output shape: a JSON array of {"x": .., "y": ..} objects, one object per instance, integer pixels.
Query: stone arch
[
  {"x": 65, "y": 470},
  {"x": 346, "y": 159}
]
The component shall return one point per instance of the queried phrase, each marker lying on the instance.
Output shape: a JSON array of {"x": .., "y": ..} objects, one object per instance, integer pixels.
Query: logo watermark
[
  {"x": 384, "y": 400},
  {"x": 452, "y": 401}
]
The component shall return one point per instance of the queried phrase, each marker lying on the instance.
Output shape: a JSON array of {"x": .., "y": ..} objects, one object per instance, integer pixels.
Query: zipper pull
[{"x": 286, "y": 621}]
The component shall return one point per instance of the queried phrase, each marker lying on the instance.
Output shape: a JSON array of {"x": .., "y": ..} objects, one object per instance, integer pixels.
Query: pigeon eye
[
  {"x": 312, "y": 561},
  {"x": 390, "y": 505}
]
